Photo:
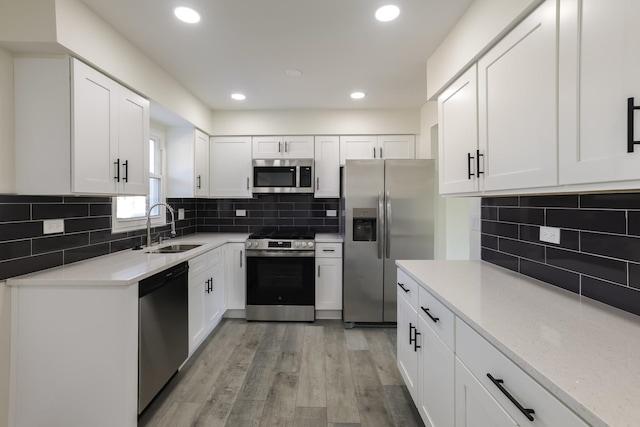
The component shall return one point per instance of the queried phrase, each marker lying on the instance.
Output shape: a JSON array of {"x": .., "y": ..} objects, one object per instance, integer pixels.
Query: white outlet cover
[
  {"x": 181, "y": 213},
  {"x": 332, "y": 212},
  {"x": 51, "y": 226},
  {"x": 550, "y": 235},
  {"x": 241, "y": 212}
]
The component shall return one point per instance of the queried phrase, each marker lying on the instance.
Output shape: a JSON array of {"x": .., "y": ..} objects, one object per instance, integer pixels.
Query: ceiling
[{"x": 248, "y": 45}]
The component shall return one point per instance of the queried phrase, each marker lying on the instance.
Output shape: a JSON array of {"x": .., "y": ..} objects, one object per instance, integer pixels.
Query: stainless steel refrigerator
[{"x": 388, "y": 215}]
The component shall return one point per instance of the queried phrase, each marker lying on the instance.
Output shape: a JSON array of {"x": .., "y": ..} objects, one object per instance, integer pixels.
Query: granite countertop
[
  {"x": 125, "y": 267},
  {"x": 584, "y": 352}
]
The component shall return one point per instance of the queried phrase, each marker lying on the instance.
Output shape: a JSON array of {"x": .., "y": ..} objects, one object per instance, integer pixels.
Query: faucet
[{"x": 173, "y": 222}]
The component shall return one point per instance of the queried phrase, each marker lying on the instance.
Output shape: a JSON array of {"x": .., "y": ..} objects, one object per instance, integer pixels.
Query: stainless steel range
[{"x": 280, "y": 276}]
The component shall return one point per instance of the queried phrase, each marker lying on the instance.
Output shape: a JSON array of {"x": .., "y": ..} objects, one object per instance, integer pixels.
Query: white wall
[
  {"x": 428, "y": 119},
  {"x": 484, "y": 22},
  {"x": 7, "y": 171},
  {"x": 315, "y": 122}
]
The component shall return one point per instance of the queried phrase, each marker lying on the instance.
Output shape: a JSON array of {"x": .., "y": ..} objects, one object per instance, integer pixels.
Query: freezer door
[
  {"x": 409, "y": 211},
  {"x": 363, "y": 255}
]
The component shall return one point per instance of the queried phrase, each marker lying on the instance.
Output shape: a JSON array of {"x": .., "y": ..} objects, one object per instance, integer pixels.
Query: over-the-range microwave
[{"x": 283, "y": 176}]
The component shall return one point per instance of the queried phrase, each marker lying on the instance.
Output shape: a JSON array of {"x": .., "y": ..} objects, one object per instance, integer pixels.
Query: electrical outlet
[
  {"x": 241, "y": 212},
  {"x": 181, "y": 213},
  {"x": 550, "y": 235},
  {"x": 475, "y": 222},
  {"x": 51, "y": 226},
  {"x": 332, "y": 212}
]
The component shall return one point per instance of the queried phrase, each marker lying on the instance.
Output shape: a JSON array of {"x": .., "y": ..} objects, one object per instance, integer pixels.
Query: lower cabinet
[
  {"x": 329, "y": 277},
  {"x": 236, "y": 277},
  {"x": 407, "y": 352},
  {"x": 207, "y": 299}
]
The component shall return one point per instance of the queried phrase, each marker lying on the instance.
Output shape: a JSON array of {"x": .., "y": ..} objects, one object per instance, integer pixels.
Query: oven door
[{"x": 281, "y": 278}]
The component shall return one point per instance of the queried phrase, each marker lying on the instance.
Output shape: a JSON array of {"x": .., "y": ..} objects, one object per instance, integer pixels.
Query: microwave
[{"x": 283, "y": 176}]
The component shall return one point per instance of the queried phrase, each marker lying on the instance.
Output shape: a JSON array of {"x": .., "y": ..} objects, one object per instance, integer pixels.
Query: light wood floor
[{"x": 288, "y": 374}]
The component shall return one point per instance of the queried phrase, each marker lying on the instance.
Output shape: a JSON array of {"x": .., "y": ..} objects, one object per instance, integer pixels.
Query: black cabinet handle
[
  {"x": 426, "y": 310},
  {"x": 415, "y": 341},
  {"x": 411, "y": 328},
  {"x": 630, "y": 125},
  {"x": 403, "y": 288},
  {"x": 469, "y": 173},
  {"x": 478, "y": 171},
  {"x": 199, "y": 182},
  {"x": 526, "y": 412},
  {"x": 126, "y": 171},
  {"x": 374, "y": 152},
  {"x": 380, "y": 152},
  {"x": 117, "y": 165},
  {"x": 279, "y": 146}
]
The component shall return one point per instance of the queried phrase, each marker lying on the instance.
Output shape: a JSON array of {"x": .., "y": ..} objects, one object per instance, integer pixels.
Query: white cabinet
[
  {"x": 230, "y": 170},
  {"x": 458, "y": 134},
  {"x": 327, "y": 166},
  {"x": 236, "y": 276},
  {"x": 207, "y": 299},
  {"x": 517, "y": 87},
  {"x": 328, "y": 276},
  {"x": 188, "y": 162},
  {"x": 78, "y": 131},
  {"x": 283, "y": 147},
  {"x": 598, "y": 71},
  {"x": 407, "y": 351},
  {"x": 377, "y": 147}
]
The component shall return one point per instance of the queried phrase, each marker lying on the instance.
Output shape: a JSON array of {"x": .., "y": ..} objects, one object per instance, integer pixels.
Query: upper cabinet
[
  {"x": 599, "y": 64},
  {"x": 188, "y": 165},
  {"x": 78, "y": 131},
  {"x": 230, "y": 170},
  {"x": 283, "y": 147},
  {"x": 377, "y": 147},
  {"x": 327, "y": 166}
]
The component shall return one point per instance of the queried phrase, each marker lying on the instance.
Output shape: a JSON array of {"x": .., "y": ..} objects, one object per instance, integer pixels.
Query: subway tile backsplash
[
  {"x": 87, "y": 221},
  {"x": 599, "y": 251}
]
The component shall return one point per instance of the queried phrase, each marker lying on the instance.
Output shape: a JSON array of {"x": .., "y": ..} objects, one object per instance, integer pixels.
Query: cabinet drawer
[
  {"x": 328, "y": 250},
  {"x": 482, "y": 358},
  {"x": 408, "y": 288},
  {"x": 204, "y": 261},
  {"x": 437, "y": 316}
]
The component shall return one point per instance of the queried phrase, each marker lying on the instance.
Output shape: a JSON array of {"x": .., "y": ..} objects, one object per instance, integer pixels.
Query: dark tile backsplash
[
  {"x": 599, "y": 251},
  {"x": 87, "y": 221}
]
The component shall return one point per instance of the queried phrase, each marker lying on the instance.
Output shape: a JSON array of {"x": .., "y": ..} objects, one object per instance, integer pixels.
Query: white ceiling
[{"x": 247, "y": 45}]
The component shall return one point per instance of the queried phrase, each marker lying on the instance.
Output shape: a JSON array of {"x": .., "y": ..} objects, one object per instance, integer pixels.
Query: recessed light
[
  {"x": 387, "y": 13},
  {"x": 186, "y": 14},
  {"x": 238, "y": 97},
  {"x": 292, "y": 72},
  {"x": 358, "y": 95}
]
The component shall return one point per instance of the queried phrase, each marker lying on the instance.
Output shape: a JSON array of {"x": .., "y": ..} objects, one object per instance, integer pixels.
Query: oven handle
[{"x": 280, "y": 254}]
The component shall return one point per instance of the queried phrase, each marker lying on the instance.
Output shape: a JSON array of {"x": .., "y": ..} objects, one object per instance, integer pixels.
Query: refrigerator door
[
  {"x": 409, "y": 211},
  {"x": 363, "y": 240}
]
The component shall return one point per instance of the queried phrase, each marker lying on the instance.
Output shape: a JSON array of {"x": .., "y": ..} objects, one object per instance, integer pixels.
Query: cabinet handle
[
  {"x": 328, "y": 250},
  {"x": 415, "y": 341},
  {"x": 247, "y": 183},
  {"x": 374, "y": 152},
  {"x": 318, "y": 271},
  {"x": 426, "y": 310},
  {"x": 411, "y": 328},
  {"x": 630, "y": 125},
  {"x": 126, "y": 171},
  {"x": 240, "y": 259},
  {"x": 403, "y": 288},
  {"x": 286, "y": 147},
  {"x": 210, "y": 285},
  {"x": 478, "y": 171},
  {"x": 199, "y": 183},
  {"x": 117, "y": 165},
  {"x": 279, "y": 146},
  {"x": 526, "y": 412},
  {"x": 380, "y": 152},
  {"x": 317, "y": 183},
  {"x": 469, "y": 173}
]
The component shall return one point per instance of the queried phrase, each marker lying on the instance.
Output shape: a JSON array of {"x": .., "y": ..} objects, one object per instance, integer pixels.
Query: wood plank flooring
[{"x": 287, "y": 374}]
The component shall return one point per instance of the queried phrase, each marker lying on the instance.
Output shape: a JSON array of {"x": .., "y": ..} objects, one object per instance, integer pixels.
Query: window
[{"x": 130, "y": 212}]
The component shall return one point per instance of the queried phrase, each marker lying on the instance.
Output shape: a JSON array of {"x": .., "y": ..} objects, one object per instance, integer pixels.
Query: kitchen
[{"x": 494, "y": 211}]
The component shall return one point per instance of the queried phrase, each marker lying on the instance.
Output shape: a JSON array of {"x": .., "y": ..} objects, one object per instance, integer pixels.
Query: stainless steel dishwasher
[{"x": 163, "y": 330}]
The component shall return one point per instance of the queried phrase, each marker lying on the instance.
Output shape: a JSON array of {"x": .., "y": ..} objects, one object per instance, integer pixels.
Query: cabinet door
[
  {"x": 230, "y": 167},
  {"x": 298, "y": 147},
  {"x": 458, "y": 134},
  {"x": 267, "y": 147},
  {"x": 435, "y": 378},
  {"x": 201, "y": 163},
  {"x": 197, "y": 292},
  {"x": 133, "y": 143},
  {"x": 213, "y": 308},
  {"x": 517, "y": 87},
  {"x": 407, "y": 356},
  {"x": 599, "y": 63},
  {"x": 328, "y": 283},
  {"x": 474, "y": 406},
  {"x": 358, "y": 147},
  {"x": 396, "y": 146},
  {"x": 236, "y": 280},
  {"x": 327, "y": 166},
  {"x": 94, "y": 147}
]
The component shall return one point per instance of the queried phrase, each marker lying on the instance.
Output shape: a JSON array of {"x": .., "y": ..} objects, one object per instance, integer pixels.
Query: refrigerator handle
[
  {"x": 380, "y": 223},
  {"x": 387, "y": 232}
]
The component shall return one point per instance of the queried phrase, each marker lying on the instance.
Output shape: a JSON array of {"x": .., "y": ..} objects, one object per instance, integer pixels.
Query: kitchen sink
[{"x": 174, "y": 249}]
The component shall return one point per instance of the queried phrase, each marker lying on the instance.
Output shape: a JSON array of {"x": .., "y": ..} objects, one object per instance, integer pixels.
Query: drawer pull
[
  {"x": 526, "y": 412},
  {"x": 403, "y": 288},
  {"x": 426, "y": 310},
  {"x": 328, "y": 250},
  {"x": 630, "y": 125}
]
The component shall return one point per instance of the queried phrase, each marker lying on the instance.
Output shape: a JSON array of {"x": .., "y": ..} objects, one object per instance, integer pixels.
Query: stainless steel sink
[{"x": 174, "y": 249}]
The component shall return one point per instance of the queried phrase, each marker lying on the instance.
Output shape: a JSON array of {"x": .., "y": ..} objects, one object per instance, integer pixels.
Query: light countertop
[
  {"x": 125, "y": 267},
  {"x": 584, "y": 352},
  {"x": 328, "y": 238}
]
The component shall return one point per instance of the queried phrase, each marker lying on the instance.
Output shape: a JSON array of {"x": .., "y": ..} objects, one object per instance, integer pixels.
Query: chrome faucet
[{"x": 173, "y": 222}]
